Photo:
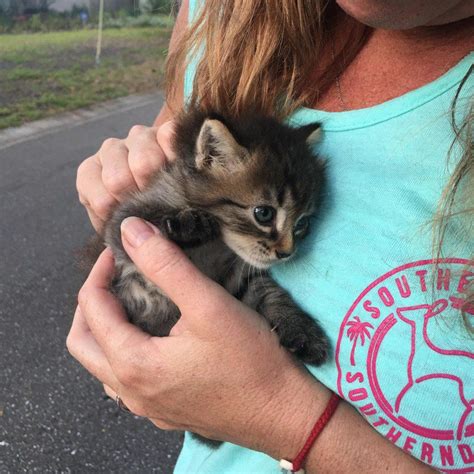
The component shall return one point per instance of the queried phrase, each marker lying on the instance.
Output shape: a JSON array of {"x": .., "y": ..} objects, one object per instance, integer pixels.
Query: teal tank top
[{"x": 401, "y": 352}]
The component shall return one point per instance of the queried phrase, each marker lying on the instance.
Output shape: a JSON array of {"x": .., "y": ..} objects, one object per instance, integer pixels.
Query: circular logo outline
[{"x": 376, "y": 338}]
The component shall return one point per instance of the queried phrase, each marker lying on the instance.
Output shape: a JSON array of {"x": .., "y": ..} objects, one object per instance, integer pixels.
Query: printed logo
[{"x": 406, "y": 361}]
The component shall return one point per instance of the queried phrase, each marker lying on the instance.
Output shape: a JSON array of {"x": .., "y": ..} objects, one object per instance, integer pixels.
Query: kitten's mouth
[
  {"x": 261, "y": 264},
  {"x": 249, "y": 257}
]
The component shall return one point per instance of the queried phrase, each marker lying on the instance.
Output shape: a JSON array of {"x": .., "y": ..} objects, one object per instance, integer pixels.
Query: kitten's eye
[
  {"x": 301, "y": 227},
  {"x": 264, "y": 215}
]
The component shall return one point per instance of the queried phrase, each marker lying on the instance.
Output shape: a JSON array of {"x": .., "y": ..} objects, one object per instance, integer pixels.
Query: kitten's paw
[
  {"x": 191, "y": 227},
  {"x": 307, "y": 342}
]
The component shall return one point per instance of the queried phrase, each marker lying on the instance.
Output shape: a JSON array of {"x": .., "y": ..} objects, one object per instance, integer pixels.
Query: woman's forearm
[
  {"x": 347, "y": 444},
  {"x": 350, "y": 444}
]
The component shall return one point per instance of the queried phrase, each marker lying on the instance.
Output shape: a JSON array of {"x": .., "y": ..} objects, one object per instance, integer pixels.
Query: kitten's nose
[{"x": 280, "y": 254}]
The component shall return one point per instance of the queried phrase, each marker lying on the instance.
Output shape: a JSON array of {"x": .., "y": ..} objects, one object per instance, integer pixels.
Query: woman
[{"x": 382, "y": 77}]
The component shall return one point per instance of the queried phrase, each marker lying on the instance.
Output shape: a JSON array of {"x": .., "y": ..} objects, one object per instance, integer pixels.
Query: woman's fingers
[
  {"x": 84, "y": 348},
  {"x": 121, "y": 167},
  {"x": 160, "y": 423},
  {"x": 106, "y": 317},
  {"x": 145, "y": 156},
  {"x": 110, "y": 392},
  {"x": 92, "y": 191},
  {"x": 96, "y": 222},
  {"x": 116, "y": 175},
  {"x": 164, "y": 136}
]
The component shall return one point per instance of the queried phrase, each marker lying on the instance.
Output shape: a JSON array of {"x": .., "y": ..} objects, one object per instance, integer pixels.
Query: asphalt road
[{"x": 53, "y": 416}]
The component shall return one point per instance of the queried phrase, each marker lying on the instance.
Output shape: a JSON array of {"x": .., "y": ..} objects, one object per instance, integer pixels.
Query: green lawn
[{"x": 43, "y": 74}]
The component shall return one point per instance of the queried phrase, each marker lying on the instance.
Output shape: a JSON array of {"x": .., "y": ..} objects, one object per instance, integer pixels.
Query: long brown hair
[{"x": 265, "y": 55}]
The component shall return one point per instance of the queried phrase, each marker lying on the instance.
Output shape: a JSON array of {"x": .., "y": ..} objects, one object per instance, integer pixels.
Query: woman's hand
[
  {"x": 221, "y": 372},
  {"x": 121, "y": 167}
]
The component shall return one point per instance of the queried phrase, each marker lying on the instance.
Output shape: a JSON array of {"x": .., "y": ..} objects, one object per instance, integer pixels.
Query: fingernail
[{"x": 137, "y": 231}]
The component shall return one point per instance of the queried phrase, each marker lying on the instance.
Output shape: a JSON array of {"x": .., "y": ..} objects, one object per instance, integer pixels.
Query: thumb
[{"x": 165, "y": 264}]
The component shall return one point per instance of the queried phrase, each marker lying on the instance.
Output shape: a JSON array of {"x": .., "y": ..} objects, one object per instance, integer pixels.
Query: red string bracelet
[{"x": 296, "y": 465}]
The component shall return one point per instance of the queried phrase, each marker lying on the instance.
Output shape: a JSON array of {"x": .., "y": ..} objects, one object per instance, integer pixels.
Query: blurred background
[
  {"x": 48, "y": 54},
  {"x": 64, "y": 89}
]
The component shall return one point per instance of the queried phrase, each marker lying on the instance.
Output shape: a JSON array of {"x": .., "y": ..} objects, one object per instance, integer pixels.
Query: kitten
[{"x": 237, "y": 199}]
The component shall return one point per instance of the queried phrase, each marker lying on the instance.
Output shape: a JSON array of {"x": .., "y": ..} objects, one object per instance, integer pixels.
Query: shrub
[
  {"x": 162, "y": 21},
  {"x": 55, "y": 21},
  {"x": 156, "y": 6}
]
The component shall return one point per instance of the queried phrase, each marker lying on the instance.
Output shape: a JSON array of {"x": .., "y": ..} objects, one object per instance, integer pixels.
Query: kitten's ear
[
  {"x": 312, "y": 133},
  {"x": 217, "y": 148}
]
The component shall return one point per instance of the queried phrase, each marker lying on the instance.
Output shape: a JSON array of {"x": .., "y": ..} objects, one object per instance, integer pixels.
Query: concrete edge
[{"x": 30, "y": 131}]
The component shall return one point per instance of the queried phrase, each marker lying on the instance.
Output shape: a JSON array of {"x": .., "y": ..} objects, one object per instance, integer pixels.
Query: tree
[
  {"x": 45, "y": 4},
  {"x": 155, "y": 6},
  {"x": 20, "y": 7},
  {"x": 358, "y": 330}
]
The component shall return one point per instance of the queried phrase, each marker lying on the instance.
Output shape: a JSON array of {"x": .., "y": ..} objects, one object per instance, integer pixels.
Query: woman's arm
[
  {"x": 348, "y": 444},
  {"x": 221, "y": 372}
]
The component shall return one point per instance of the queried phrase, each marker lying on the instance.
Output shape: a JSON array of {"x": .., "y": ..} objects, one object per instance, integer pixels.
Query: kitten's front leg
[
  {"x": 298, "y": 332},
  {"x": 191, "y": 227},
  {"x": 187, "y": 227}
]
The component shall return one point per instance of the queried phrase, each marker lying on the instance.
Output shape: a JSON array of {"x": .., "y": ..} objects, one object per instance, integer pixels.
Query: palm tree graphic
[{"x": 357, "y": 330}]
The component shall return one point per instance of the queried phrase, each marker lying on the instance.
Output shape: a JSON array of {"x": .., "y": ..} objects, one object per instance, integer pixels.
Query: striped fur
[{"x": 206, "y": 200}]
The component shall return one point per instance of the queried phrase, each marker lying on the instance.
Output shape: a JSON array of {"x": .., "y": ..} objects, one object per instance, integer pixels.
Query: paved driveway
[{"x": 53, "y": 416}]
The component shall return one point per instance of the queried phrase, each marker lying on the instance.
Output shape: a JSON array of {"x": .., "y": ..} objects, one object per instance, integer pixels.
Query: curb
[{"x": 15, "y": 135}]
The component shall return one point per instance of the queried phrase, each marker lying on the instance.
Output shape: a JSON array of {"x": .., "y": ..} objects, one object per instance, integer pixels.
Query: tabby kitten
[{"x": 237, "y": 199}]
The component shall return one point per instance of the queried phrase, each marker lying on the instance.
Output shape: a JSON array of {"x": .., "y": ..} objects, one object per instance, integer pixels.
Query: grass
[{"x": 44, "y": 74}]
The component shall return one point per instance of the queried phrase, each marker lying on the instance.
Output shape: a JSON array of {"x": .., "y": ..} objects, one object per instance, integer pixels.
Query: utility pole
[{"x": 99, "y": 36}]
